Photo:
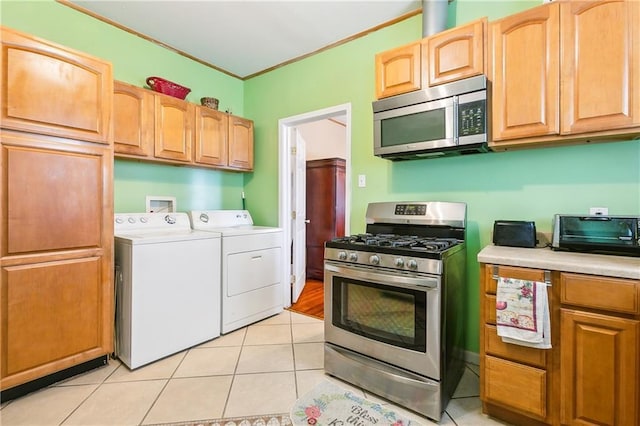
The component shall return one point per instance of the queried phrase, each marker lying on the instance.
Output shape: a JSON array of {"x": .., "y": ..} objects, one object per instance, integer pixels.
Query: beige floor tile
[
  {"x": 45, "y": 407},
  {"x": 209, "y": 362},
  {"x": 117, "y": 404},
  {"x": 235, "y": 338},
  {"x": 268, "y": 334},
  {"x": 308, "y": 332},
  {"x": 308, "y": 356},
  {"x": 474, "y": 367},
  {"x": 297, "y": 318},
  {"x": 96, "y": 376},
  {"x": 307, "y": 379},
  {"x": 283, "y": 317},
  {"x": 265, "y": 358},
  {"x": 190, "y": 399},
  {"x": 469, "y": 385},
  {"x": 468, "y": 412},
  {"x": 265, "y": 393},
  {"x": 161, "y": 369}
]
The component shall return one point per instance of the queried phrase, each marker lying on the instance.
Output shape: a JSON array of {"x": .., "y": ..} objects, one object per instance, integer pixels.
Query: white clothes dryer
[
  {"x": 167, "y": 286},
  {"x": 252, "y": 276}
]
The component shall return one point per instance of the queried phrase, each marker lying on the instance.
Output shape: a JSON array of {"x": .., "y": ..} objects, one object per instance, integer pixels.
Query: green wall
[
  {"x": 528, "y": 185},
  {"x": 134, "y": 59}
]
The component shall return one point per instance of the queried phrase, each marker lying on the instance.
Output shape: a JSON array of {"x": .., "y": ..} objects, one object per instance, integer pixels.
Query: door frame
[{"x": 285, "y": 172}]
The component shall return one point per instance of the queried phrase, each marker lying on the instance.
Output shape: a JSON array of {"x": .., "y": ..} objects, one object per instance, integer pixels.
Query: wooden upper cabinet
[
  {"x": 454, "y": 54},
  {"x": 133, "y": 120},
  {"x": 53, "y": 90},
  {"x": 173, "y": 128},
  {"x": 240, "y": 143},
  {"x": 524, "y": 70},
  {"x": 398, "y": 70},
  {"x": 600, "y": 45},
  {"x": 211, "y": 137}
]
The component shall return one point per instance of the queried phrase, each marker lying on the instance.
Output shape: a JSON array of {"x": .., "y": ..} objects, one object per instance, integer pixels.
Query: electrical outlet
[
  {"x": 362, "y": 181},
  {"x": 598, "y": 211}
]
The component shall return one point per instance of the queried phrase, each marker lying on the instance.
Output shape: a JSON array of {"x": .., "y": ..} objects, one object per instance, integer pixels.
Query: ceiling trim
[{"x": 209, "y": 65}]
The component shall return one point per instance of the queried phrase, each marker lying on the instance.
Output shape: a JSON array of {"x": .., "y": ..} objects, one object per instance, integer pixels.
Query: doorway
[{"x": 292, "y": 172}]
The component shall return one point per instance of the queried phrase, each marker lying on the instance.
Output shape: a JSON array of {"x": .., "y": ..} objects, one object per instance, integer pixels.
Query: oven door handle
[{"x": 380, "y": 276}]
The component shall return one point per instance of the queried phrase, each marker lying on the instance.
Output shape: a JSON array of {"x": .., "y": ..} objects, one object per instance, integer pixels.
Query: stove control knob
[
  {"x": 342, "y": 255},
  {"x": 353, "y": 256},
  {"x": 399, "y": 262},
  {"x": 412, "y": 264},
  {"x": 374, "y": 260}
]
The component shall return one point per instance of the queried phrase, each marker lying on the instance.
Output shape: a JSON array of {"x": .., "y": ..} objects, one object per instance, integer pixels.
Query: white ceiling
[{"x": 246, "y": 37}]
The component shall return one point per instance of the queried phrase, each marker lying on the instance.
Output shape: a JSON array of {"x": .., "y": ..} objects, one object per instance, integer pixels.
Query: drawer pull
[{"x": 547, "y": 275}]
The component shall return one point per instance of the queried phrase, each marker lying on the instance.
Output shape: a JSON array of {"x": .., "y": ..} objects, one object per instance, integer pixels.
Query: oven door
[{"x": 391, "y": 316}]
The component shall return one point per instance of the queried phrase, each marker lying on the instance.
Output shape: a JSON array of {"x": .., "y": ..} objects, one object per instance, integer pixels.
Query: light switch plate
[{"x": 362, "y": 181}]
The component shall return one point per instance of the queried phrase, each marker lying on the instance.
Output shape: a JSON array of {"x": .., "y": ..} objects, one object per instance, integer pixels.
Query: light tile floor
[{"x": 259, "y": 369}]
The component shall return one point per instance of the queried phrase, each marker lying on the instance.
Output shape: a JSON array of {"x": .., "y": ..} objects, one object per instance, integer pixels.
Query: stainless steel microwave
[{"x": 449, "y": 119}]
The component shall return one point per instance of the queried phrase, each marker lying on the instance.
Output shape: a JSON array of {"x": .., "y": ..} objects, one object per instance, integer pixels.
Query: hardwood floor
[{"x": 311, "y": 301}]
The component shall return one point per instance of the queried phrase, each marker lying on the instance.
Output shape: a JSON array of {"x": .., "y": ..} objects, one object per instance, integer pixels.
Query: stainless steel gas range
[{"x": 394, "y": 304}]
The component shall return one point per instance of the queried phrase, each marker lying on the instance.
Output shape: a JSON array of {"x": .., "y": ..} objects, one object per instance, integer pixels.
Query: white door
[{"x": 299, "y": 222}]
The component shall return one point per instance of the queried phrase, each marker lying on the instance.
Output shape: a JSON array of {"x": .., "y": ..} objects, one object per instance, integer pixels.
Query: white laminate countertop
[{"x": 545, "y": 258}]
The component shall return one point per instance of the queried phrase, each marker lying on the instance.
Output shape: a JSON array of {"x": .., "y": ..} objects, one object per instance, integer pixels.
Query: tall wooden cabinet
[
  {"x": 325, "y": 209},
  {"x": 56, "y": 220},
  {"x": 591, "y": 47}
]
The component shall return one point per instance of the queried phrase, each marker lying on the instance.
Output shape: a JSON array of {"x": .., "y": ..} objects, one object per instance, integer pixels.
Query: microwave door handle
[
  {"x": 456, "y": 105},
  {"x": 595, "y": 218}
]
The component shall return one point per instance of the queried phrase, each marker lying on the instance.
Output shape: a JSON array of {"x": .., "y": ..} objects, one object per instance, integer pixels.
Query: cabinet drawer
[
  {"x": 495, "y": 346},
  {"x": 611, "y": 294},
  {"x": 490, "y": 308},
  {"x": 516, "y": 386},
  {"x": 511, "y": 272}
]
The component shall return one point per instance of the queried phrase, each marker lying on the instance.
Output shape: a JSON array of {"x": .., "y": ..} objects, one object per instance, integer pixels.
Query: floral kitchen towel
[
  {"x": 522, "y": 313},
  {"x": 329, "y": 404}
]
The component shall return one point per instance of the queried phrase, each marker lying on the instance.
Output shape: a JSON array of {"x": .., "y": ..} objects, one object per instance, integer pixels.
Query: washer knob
[
  {"x": 399, "y": 262},
  {"x": 170, "y": 219},
  {"x": 131, "y": 219},
  {"x": 353, "y": 256},
  {"x": 342, "y": 255},
  {"x": 144, "y": 219},
  {"x": 374, "y": 260},
  {"x": 413, "y": 264},
  {"x": 119, "y": 220}
]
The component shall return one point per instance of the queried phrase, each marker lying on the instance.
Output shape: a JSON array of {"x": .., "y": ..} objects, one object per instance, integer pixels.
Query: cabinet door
[
  {"x": 525, "y": 73},
  {"x": 454, "y": 54},
  {"x": 211, "y": 137},
  {"x": 54, "y": 199},
  {"x": 133, "y": 130},
  {"x": 55, "y": 312},
  {"x": 173, "y": 128},
  {"x": 599, "y": 368},
  {"x": 53, "y": 90},
  {"x": 600, "y": 42},
  {"x": 398, "y": 71},
  {"x": 240, "y": 143}
]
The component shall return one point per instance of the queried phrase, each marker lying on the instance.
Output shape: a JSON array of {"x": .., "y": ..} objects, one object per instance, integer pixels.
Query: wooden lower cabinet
[
  {"x": 56, "y": 279},
  {"x": 591, "y": 376},
  {"x": 517, "y": 383}
]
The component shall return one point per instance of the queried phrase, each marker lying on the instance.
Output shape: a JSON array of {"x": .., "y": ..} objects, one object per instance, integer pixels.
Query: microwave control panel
[{"x": 472, "y": 118}]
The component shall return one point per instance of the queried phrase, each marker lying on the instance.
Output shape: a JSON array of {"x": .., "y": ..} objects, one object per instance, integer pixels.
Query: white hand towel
[{"x": 522, "y": 313}]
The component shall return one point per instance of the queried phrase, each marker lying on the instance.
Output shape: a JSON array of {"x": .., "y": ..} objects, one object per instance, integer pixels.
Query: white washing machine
[
  {"x": 252, "y": 276},
  {"x": 167, "y": 286}
]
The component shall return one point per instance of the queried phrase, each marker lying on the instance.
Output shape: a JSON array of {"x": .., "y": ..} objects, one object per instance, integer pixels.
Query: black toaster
[{"x": 514, "y": 233}]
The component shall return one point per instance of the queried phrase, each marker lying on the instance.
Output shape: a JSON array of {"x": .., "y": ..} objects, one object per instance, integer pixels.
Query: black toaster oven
[{"x": 597, "y": 234}]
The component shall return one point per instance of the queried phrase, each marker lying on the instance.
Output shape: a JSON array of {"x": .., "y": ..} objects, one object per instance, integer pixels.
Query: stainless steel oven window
[{"x": 389, "y": 314}]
